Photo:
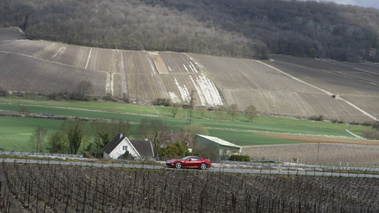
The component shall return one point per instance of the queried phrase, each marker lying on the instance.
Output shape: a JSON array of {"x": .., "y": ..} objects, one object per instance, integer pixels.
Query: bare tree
[
  {"x": 105, "y": 131},
  {"x": 175, "y": 109},
  {"x": 3, "y": 92},
  {"x": 192, "y": 99},
  {"x": 75, "y": 131},
  {"x": 375, "y": 125},
  {"x": 233, "y": 110},
  {"x": 250, "y": 112},
  {"x": 84, "y": 88},
  {"x": 195, "y": 129},
  {"x": 152, "y": 129},
  {"x": 219, "y": 111},
  {"x": 38, "y": 139}
]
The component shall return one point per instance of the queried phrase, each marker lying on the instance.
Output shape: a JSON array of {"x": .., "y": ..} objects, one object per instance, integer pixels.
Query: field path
[
  {"x": 121, "y": 68},
  {"x": 320, "y": 89},
  {"x": 88, "y": 58},
  {"x": 110, "y": 83}
]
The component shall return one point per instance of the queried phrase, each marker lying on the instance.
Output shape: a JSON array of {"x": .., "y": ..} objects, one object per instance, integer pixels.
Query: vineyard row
[{"x": 69, "y": 188}]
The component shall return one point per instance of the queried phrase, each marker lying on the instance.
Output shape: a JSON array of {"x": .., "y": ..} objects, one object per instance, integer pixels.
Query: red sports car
[{"x": 189, "y": 162}]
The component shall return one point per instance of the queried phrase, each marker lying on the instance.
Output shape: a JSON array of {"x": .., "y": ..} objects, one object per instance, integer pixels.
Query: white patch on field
[
  {"x": 193, "y": 67},
  {"x": 169, "y": 68},
  {"x": 152, "y": 66},
  {"x": 207, "y": 91},
  {"x": 173, "y": 97},
  {"x": 185, "y": 67},
  {"x": 194, "y": 61},
  {"x": 109, "y": 84},
  {"x": 88, "y": 58},
  {"x": 58, "y": 52},
  {"x": 183, "y": 91},
  {"x": 121, "y": 68}
]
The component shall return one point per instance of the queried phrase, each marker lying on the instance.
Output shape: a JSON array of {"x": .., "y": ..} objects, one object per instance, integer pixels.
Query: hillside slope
[
  {"x": 238, "y": 28},
  {"x": 285, "y": 86}
]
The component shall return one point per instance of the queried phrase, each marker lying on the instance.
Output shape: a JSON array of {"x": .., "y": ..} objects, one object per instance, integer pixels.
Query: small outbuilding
[
  {"x": 138, "y": 149},
  {"x": 225, "y": 148}
]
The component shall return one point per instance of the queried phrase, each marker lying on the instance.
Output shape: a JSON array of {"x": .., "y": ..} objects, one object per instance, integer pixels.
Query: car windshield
[{"x": 186, "y": 158}]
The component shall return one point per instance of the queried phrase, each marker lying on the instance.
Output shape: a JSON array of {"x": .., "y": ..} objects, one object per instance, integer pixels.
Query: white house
[{"x": 120, "y": 144}]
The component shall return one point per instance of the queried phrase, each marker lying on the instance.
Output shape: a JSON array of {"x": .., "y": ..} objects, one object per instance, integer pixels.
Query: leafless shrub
[{"x": 371, "y": 134}]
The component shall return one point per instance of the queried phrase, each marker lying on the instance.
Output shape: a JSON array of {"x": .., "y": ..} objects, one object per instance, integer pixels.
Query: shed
[
  {"x": 139, "y": 149},
  {"x": 225, "y": 148}
]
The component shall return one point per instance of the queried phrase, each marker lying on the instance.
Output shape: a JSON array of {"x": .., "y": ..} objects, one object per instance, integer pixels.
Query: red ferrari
[{"x": 189, "y": 162}]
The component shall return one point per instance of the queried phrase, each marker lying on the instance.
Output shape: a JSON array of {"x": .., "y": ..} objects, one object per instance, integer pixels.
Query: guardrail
[
  {"x": 31, "y": 154},
  {"x": 300, "y": 166}
]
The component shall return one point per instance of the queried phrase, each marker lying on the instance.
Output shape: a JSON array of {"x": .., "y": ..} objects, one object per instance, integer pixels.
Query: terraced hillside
[{"x": 284, "y": 85}]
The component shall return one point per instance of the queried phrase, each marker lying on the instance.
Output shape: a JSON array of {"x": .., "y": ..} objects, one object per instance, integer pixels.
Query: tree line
[
  {"x": 77, "y": 136},
  {"x": 242, "y": 28}
]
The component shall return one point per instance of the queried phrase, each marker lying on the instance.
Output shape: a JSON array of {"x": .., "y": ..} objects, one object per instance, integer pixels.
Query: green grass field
[
  {"x": 103, "y": 106},
  {"x": 247, "y": 138},
  {"x": 15, "y": 132}
]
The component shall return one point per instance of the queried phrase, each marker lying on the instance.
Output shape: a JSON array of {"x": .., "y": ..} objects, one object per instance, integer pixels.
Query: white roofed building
[
  {"x": 225, "y": 148},
  {"x": 139, "y": 149}
]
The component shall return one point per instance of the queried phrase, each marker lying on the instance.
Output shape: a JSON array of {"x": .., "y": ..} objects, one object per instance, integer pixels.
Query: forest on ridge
[{"x": 241, "y": 28}]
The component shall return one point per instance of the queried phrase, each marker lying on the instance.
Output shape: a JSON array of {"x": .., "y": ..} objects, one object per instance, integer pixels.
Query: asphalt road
[{"x": 219, "y": 168}]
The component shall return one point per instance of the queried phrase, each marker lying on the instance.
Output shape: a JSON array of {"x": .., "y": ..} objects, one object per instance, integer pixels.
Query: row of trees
[
  {"x": 74, "y": 137},
  {"x": 233, "y": 111},
  {"x": 83, "y": 92},
  {"x": 374, "y": 133},
  {"x": 242, "y": 28}
]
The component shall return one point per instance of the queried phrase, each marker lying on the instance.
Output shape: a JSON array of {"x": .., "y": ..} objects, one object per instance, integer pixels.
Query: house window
[{"x": 124, "y": 147}]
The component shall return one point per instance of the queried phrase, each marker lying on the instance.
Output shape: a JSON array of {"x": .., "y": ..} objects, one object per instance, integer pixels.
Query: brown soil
[
  {"x": 316, "y": 139},
  {"x": 160, "y": 65}
]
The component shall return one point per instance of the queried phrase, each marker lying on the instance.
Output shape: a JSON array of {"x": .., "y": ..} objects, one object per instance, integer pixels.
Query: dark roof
[
  {"x": 113, "y": 143},
  {"x": 144, "y": 148}
]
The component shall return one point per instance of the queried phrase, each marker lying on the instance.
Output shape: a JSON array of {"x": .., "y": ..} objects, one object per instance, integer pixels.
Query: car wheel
[
  {"x": 203, "y": 166},
  {"x": 178, "y": 165}
]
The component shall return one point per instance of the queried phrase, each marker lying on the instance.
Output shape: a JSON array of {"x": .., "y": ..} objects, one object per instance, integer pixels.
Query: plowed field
[
  {"x": 288, "y": 86},
  {"x": 319, "y": 150},
  {"x": 317, "y": 139}
]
